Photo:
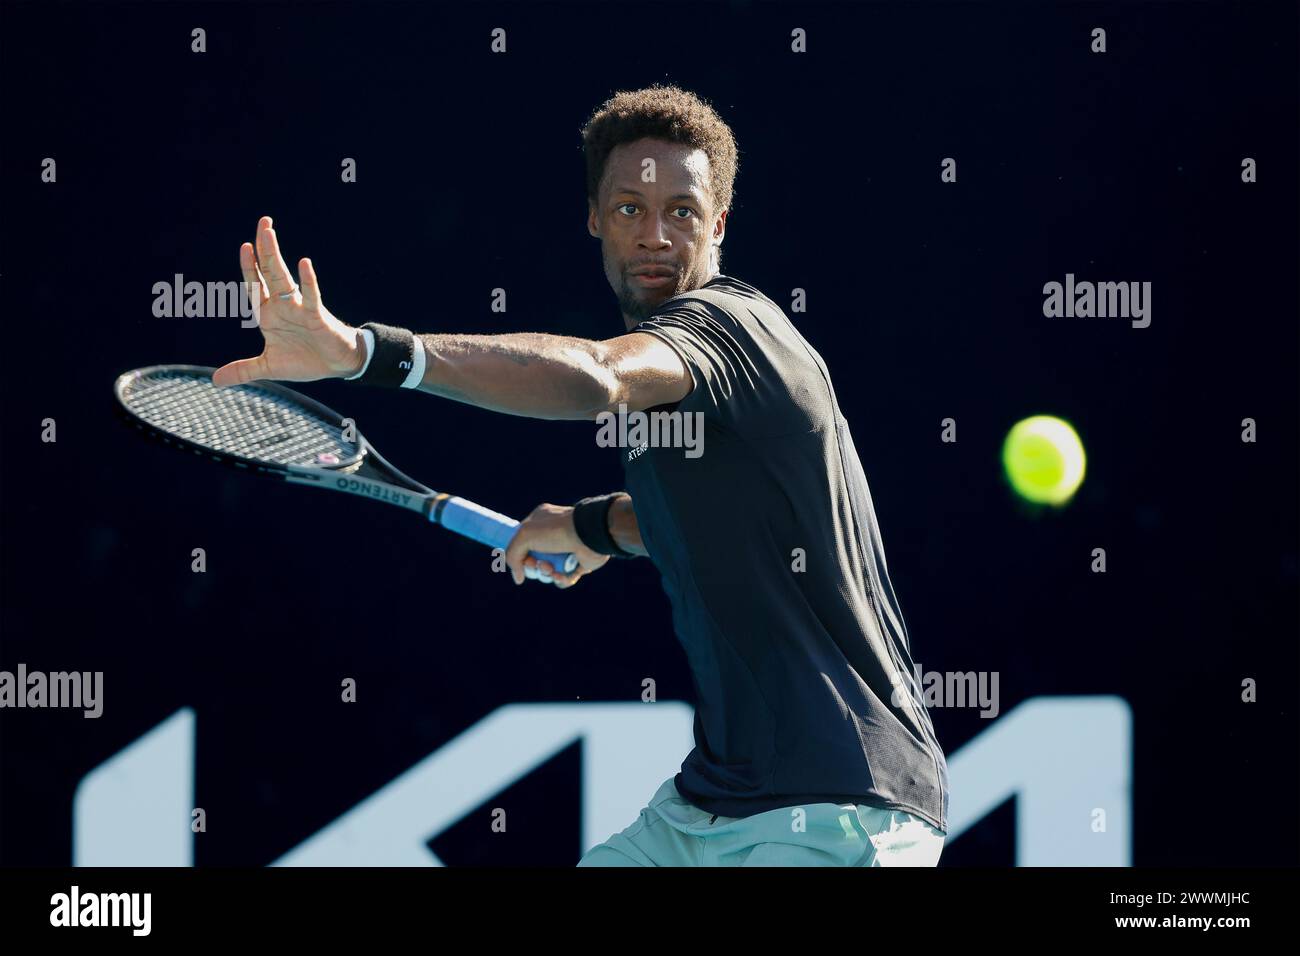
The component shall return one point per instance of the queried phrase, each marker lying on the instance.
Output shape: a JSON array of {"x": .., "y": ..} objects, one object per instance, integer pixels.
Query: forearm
[
  {"x": 526, "y": 373},
  {"x": 623, "y": 526}
]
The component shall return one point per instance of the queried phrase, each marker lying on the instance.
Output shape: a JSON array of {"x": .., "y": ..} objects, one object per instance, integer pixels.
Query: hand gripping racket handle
[{"x": 487, "y": 527}]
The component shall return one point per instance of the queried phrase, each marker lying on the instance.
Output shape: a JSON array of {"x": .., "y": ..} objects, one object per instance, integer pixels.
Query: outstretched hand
[{"x": 301, "y": 340}]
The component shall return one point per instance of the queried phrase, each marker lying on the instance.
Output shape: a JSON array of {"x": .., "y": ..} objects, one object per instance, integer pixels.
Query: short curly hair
[{"x": 661, "y": 112}]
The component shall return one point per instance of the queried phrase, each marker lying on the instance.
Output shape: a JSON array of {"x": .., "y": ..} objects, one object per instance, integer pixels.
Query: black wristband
[
  {"x": 591, "y": 522},
  {"x": 394, "y": 354}
]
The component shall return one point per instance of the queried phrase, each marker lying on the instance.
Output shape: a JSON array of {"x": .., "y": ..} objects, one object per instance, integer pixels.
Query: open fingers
[
  {"x": 240, "y": 372},
  {"x": 269, "y": 260},
  {"x": 252, "y": 278},
  {"x": 310, "y": 287}
]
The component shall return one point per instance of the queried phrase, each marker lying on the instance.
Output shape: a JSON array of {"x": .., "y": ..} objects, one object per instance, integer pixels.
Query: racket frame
[{"x": 366, "y": 474}]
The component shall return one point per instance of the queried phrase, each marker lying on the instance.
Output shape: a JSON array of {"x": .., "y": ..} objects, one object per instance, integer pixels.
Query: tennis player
[{"x": 812, "y": 746}]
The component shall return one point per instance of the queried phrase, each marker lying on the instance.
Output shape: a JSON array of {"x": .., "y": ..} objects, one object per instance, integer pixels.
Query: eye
[
  {"x": 627, "y": 205},
  {"x": 686, "y": 209}
]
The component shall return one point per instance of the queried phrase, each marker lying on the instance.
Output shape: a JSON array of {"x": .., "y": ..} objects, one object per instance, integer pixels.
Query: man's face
[{"x": 657, "y": 238}]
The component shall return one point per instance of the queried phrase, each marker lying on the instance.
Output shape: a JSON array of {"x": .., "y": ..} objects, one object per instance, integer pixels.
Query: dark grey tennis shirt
[{"x": 766, "y": 539}]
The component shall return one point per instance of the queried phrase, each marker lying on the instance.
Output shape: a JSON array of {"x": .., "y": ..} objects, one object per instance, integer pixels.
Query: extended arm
[
  {"x": 554, "y": 376},
  {"x": 540, "y": 376}
]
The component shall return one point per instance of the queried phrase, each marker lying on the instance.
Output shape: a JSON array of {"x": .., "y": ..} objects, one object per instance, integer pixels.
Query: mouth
[
  {"x": 652, "y": 282},
  {"x": 654, "y": 278}
]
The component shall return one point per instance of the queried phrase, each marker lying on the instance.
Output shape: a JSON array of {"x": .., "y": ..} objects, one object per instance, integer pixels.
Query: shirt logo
[{"x": 637, "y": 452}]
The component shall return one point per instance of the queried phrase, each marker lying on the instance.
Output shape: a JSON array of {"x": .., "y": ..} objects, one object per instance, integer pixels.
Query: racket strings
[{"x": 245, "y": 421}]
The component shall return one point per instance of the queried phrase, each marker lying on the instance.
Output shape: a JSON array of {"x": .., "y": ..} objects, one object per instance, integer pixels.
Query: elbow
[
  {"x": 602, "y": 386},
  {"x": 598, "y": 389},
  {"x": 606, "y": 392}
]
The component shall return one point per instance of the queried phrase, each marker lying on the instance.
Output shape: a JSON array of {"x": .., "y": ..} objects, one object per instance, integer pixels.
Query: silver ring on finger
[{"x": 287, "y": 295}]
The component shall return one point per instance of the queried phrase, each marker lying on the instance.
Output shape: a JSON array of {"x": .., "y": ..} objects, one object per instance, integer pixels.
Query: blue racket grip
[{"x": 487, "y": 527}]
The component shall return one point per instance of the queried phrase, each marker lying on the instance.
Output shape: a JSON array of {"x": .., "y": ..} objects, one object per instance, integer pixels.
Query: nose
[{"x": 654, "y": 232}]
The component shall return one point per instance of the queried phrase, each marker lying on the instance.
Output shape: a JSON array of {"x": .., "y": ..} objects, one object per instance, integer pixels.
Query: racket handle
[{"x": 487, "y": 527}]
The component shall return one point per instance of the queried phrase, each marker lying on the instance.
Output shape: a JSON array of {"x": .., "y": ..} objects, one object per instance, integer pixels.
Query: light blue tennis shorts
[{"x": 673, "y": 832}]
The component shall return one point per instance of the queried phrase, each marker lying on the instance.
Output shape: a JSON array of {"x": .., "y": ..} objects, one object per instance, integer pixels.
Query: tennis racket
[{"x": 274, "y": 431}]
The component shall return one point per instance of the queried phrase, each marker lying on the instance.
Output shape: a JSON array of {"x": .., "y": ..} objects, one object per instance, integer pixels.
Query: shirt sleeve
[{"x": 711, "y": 344}]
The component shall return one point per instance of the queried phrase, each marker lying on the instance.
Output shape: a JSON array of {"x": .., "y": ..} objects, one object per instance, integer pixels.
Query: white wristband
[
  {"x": 369, "y": 338},
  {"x": 416, "y": 375}
]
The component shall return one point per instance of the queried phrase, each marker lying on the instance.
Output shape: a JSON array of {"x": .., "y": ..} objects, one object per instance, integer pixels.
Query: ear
[
  {"x": 593, "y": 220},
  {"x": 720, "y": 228}
]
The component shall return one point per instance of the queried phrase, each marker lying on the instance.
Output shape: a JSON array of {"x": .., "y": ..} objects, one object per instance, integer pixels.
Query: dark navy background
[{"x": 924, "y": 298}]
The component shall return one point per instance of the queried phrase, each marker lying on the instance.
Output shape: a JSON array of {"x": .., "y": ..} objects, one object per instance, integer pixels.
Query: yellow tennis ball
[{"x": 1044, "y": 459}]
